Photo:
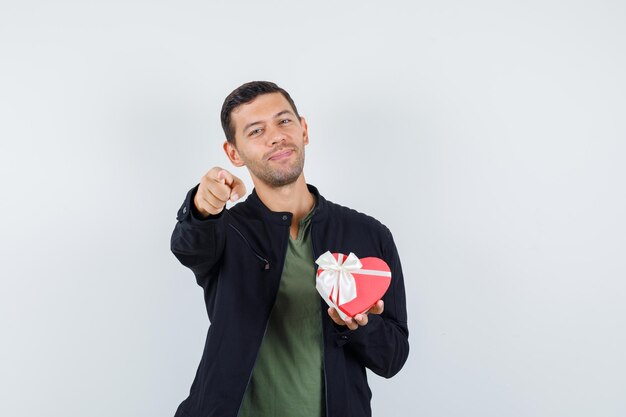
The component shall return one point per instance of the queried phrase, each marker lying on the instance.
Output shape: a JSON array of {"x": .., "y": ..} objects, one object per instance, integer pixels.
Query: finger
[
  {"x": 352, "y": 325},
  {"x": 226, "y": 177},
  {"x": 212, "y": 203},
  {"x": 212, "y": 182},
  {"x": 378, "y": 308},
  {"x": 238, "y": 189},
  {"x": 201, "y": 206},
  {"x": 235, "y": 185},
  {"x": 214, "y": 174},
  {"x": 217, "y": 196},
  {"x": 361, "y": 319},
  {"x": 335, "y": 316},
  {"x": 217, "y": 189},
  {"x": 206, "y": 206}
]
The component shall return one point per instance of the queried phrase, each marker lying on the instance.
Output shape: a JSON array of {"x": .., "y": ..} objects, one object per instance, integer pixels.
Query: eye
[
  {"x": 285, "y": 121},
  {"x": 255, "y": 132}
]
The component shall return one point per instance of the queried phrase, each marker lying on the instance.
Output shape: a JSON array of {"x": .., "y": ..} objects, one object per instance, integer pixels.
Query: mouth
[{"x": 281, "y": 154}]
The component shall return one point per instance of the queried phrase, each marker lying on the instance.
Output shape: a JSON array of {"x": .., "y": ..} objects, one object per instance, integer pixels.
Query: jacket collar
[{"x": 284, "y": 217}]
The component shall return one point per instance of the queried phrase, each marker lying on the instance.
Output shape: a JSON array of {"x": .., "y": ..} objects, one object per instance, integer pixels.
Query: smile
[{"x": 282, "y": 155}]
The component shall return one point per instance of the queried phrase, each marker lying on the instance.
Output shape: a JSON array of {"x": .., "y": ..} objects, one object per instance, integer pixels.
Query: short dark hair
[{"x": 245, "y": 94}]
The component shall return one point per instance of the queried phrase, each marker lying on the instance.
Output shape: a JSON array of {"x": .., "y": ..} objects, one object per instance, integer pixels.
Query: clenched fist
[{"x": 217, "y": 187}]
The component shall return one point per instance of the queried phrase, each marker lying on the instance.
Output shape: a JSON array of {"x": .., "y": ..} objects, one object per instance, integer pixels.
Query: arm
[
  {"x": 380, "y": 338},
  {"x": 199, "y": 236},
  {"x": 198, "y": 242}
]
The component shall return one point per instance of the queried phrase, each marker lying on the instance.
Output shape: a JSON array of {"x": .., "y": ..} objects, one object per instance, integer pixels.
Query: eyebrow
[{"x": 280, "y": 113}]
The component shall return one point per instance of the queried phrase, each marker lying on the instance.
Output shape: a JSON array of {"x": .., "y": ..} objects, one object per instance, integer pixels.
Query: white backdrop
[{"x": 488, "y": 136}]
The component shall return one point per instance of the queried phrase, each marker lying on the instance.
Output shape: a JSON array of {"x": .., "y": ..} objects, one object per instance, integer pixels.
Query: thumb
[{"x": 378, "y": 308}]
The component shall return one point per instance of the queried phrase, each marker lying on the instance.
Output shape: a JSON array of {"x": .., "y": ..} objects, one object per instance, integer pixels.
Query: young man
[{"x": 274, "y": 348}]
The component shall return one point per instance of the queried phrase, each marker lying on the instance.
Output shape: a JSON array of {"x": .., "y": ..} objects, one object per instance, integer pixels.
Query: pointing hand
[{"x": 217, "y": 186}]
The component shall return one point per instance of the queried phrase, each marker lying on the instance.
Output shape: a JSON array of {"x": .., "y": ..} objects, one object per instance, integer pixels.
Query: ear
[
  {"x": 232, "y": 154},
  {"x": 305, "y": 130}
]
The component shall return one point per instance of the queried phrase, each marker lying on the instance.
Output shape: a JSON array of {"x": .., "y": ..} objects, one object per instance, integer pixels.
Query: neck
[{"x": 294, "y": 198}]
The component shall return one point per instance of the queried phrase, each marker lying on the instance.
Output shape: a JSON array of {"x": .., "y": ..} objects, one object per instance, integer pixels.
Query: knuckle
[{"x": 210, "y": 174}]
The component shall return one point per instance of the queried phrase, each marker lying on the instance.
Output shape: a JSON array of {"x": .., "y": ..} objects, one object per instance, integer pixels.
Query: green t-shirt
[{"x": 288, "y": 376}]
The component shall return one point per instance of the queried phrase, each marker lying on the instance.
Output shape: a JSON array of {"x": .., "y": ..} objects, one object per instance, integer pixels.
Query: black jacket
[{"x": 237, "y": 257}]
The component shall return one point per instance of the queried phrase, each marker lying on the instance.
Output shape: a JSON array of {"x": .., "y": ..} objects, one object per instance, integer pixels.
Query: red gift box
[{"x": 349, "y": 284}]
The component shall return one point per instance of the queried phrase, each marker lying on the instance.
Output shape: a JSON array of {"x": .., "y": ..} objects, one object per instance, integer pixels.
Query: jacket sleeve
[
  {"x": 198, "y": 243},
  {"x": 383, "y": 344}
]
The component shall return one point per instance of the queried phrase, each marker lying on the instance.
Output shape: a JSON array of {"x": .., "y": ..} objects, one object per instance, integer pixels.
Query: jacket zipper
[
  {"x": 267, "y": 266},
  {"x": 266, "y": 262},
  {"x": 257, "y": 355},
  {"x": 323, "y": 334}
]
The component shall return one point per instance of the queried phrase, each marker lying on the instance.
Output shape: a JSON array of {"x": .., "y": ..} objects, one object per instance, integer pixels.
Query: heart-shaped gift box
[{"x": 349, "y": 284}]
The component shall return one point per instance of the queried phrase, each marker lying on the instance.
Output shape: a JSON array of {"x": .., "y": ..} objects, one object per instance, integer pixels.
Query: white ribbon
[{"x": 336, "y": 279}]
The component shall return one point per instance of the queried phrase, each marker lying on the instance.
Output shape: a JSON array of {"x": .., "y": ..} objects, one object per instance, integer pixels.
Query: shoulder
[
  {"x": 244, "y": 214},
  {"x": 242, "y": 208},
  {"x": 348, "y": 215}
]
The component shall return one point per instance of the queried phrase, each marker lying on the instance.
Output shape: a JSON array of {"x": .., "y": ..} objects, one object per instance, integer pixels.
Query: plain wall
[{"x": 488, "y": 136}]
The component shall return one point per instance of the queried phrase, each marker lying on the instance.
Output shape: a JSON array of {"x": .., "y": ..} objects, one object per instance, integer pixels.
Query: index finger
[{"x": 225, "y": 177}]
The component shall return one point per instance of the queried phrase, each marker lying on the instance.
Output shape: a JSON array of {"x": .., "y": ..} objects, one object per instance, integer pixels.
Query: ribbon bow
[{"x": 336, "y": 279}]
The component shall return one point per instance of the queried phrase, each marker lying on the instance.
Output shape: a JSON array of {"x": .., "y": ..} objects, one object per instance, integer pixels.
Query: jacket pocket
[{"x": 260, "y": 257}]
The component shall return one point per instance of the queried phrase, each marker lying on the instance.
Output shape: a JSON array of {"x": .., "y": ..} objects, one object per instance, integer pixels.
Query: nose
[
  {"x": 277, "y": 140},
  {"x": 275, "y": 136}
]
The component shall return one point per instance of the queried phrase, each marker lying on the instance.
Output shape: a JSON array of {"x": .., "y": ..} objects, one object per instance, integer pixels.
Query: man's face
[{"x": 270, "y": 140}]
